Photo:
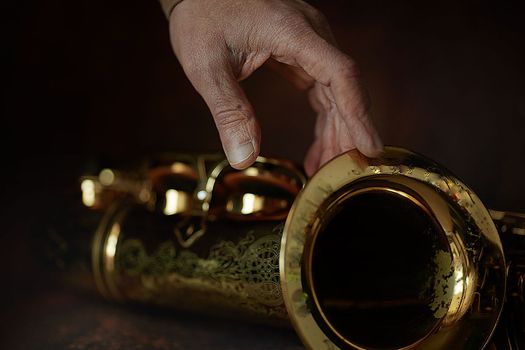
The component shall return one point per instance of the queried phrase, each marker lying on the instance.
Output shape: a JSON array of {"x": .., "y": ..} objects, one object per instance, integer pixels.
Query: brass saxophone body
[{"x": 386, "y": 253}]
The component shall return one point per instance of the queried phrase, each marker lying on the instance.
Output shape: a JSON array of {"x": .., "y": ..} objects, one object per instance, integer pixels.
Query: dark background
[{"x": 92, "y": 78}]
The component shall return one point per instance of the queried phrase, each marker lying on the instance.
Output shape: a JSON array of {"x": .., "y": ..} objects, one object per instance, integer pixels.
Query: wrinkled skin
[{"x": 221, "y": 42}]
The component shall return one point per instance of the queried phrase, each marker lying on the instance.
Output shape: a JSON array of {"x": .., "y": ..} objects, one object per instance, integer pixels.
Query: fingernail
[{"x": 240, "y": 153}]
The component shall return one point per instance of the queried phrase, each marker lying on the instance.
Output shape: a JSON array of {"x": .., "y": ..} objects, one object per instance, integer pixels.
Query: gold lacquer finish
[
  {"x": 194, "y": 233},
  {"x": 386, "y": 253},
  {"x": 416, "y": 261}
]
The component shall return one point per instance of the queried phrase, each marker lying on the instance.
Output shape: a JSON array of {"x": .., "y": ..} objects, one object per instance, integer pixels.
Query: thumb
[{"x": 232, "y": 112}]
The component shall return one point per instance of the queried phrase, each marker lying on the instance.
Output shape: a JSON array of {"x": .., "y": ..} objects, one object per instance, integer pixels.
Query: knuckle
[
  {"x": 299, "y": 27},
  {"x": 318, "y": 17},
  {"x": 283, "y": 14},
  {"x": 289, "y": 25},
  {"x": 227, "y": 118}
]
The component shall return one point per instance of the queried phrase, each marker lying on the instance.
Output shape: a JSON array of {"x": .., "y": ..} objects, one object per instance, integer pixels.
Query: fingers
[
  {"x": 320, "y": 24},
  {"x": 331, "y": 136},
  {"x": 330, "y": 140},
  {"x": 354, "y": 106},
  {"x": 232, "y": 112},
  {"x": 330, "y": 67}
]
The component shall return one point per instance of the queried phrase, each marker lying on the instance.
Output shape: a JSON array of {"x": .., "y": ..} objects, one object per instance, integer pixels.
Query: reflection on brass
[{"x": 386, "y": 253}]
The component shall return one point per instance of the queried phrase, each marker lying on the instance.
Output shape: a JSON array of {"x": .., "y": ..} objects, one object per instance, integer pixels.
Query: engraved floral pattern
[{"x": 244, "y": 273}]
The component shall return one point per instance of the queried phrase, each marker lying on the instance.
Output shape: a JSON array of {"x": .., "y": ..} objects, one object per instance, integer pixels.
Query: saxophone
[{"x": 392, "y": 252}]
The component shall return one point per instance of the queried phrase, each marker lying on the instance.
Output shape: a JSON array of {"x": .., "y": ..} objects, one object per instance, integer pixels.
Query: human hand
[{"x": 222, "y": 42}]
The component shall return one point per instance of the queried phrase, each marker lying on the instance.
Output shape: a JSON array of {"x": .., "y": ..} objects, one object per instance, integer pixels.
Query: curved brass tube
[{"x": 386, "y": 253}]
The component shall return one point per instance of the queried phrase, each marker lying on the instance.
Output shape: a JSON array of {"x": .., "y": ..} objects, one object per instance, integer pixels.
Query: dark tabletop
[{"x": 58, "y": 319}]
